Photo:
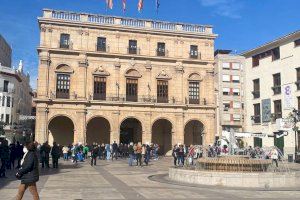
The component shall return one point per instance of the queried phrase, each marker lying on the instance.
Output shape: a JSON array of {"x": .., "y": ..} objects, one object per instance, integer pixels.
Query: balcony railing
[
  {"x": 276, "y": 89},
  {"x": 65, "y": 46},
  {"x": 8, "y": 90},
  {"x": 256, "y": 119},
  {"x": 102, "y": 48},
  {"x": 133, "y": 51},
  {"x": 129, "y": 22},
  {"x": 256, "y": 94},
  {"x": 133, "y": 98},
  {"x": 195, "y": 55},
  {"x": 99, "y": 96},
  {"x": 62, "y": 95},
  {"x": 162, "y": 52}
]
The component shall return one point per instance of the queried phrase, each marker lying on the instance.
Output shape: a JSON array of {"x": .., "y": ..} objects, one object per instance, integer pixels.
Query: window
[
  {"x": 298, "y": 78},
  {"x": 12, "y": 102},
  {"x": 131, "y": 89},
  {"x": 257, "y": 142},
  {"x": 5, "y": 86},
  {"x": 162, "y": 91},
  {"x": 7, "y": 119},
  {"x": 2, "y": 117},
  {"x": 256, "y": 117},
  {"x": 275, "y": 53},
  {"x": 236, "y": 104},
  {"x": 193, "y": 51},
  {"x": 277, "y": 109},
  {"x": 132, "y": 49},
  {"x": 226, "y": 117},
  {"x": 8, "y": 102},
  {"x": 226, "y": 66},
  {"x": 99, "y": 88},
  {"x": 194, "y": 92},
  {"x": 298, "y": 103},
  {"x": 255, "y": 61},
  {"x": 63, "y": 86},
  {"x": 226, "y": 105},
  {"x": 225, "y": 78},
  {"x": 277, "y": 83},
  {"x": 161, "y": 51},
  {"x": 236, "y": 117},
  {"x": 226, "y": 91},
  {"x": 101, "y": 44},
  {"x": 256, "y": 89},
  {"x": 64, "y": 41},
  {"x": 297, "y": 43},
  {"x": 236, "y": 66},
  {"x": 235, "y": 79},
  {"x": 236, "y": 92}
]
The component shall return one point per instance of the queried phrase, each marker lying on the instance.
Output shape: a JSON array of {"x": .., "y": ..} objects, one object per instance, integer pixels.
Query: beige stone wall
[{"x": 82, "y": 61}]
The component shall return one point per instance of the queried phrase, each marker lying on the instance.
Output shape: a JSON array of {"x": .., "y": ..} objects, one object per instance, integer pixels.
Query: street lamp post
[{"x": 296, "y": 114}]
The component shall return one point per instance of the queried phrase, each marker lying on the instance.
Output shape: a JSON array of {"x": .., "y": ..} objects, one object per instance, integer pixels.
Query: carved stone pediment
[
  {"x": 163, "y": 75},
  {"x": 133, "y": 73},
  {"x": 195, "y": 77},
  {"x": 100, "y": 71},
  {"x": 63, "y": 68}
]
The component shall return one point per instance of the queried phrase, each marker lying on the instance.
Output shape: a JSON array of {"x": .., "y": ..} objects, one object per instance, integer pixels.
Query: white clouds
[{"x": 225, "y": 8}]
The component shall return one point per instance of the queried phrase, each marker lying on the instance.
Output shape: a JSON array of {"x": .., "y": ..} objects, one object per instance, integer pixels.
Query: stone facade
[{"x": 88, "y": 118}]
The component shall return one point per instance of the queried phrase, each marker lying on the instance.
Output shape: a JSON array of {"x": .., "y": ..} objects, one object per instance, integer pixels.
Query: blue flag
[{"x": 157, "y": 5}]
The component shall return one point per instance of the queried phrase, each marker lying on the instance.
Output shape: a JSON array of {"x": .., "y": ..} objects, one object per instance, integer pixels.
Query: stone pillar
[
  {"x": 147, "y": 129},
  {"x": 209, "y": 131},
  {"x": 115, "y": 127},
  {"x": 41, "y": 127},
  {"x": 80, "y": 127},
  {"x": 82, "y": 78},
  {"x": 178, "y": 135},
  {"x": 43, "y": 71}
]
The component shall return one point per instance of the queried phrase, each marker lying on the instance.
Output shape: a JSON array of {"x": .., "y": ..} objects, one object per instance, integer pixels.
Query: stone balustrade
[{"x": 130, "y": 22}]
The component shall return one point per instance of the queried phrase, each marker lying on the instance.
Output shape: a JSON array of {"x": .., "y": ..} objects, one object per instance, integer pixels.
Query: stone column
[
  {"x": 209, "y": 131},
  {"x": 82, "y": 78},
  {"x": 147, "y": 129},
  {"x": 80, "y": 127},
  {"x": 178, "y": 136},
  {"x": 115, "y": 127},
  {"x": 43, "y": 71},
  {"x": 41, "y": 127}
]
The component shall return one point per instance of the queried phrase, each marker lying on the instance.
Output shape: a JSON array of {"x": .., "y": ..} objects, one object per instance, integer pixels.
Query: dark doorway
[
  {"x": 61, "y": 130},
  {"x": 130, "y": 131},
  {"x": 193, "y": 133},
  {"x": 162, "y": 135},
  {"x": 98, "y": 131}
]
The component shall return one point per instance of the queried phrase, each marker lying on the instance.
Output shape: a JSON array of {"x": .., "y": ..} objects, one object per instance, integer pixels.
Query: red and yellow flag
[{"x": 140, "y": 5}]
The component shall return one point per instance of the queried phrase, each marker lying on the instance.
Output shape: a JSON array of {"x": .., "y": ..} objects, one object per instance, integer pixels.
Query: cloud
[{"x": 225, "y": 8}]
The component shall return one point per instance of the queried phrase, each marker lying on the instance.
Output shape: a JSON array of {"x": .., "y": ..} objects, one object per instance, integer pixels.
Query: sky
[{"x": 240, "y": 24}]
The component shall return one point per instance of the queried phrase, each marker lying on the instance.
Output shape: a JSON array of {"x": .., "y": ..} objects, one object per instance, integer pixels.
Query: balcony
[
  {"x": 133, "y": 98},
  {"x": 162, "y": 53},
  {"x": 276, "y": 89},
  {"x": 62, "y": 95},
  {"x": 194, "y": 101},
  {"x": 194, "y": 55},
  {"x": 135, "y": 51},
  {"x": 256, "y": 94},
  {"x": 126, "y": 22},
  {"x": 102, "y": 48},
  {"x": 65, "y": 46},
  {"x": 98, "y": 96}
]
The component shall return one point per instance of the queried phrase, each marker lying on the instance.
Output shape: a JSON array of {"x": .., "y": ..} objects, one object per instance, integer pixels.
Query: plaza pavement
[{"x": 116, "y": 180}]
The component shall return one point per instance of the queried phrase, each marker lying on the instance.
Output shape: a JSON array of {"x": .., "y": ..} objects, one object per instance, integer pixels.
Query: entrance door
[{"x": 279, "y": 143}]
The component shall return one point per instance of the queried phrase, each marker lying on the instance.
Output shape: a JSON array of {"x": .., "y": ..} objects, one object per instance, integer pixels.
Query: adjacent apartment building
[
  {"x": 5, "y": 52},
  {"x": 15, "y": 95},
  {"x": 105, "y": 78},
  {"x": 272, "y": 91},
  {"x": 229, "y": 82}
]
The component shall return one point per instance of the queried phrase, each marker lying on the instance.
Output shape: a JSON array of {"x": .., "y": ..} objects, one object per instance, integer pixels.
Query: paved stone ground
[{"x": 116, "y": 180}]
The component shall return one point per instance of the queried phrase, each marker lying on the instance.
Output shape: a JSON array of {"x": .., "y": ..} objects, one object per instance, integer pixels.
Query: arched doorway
[
  {"x": 61, "y": 130},
  {"x": 162, "y": 135},
  {"x": 193, "y": 133},
  {"x": 98, "y": 131},
  {"x": 131, "y": 131}
]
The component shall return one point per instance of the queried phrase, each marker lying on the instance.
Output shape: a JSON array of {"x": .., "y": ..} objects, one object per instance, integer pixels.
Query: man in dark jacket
[
  {"x": 45, "y": 150},
  {"x": 55, "y": 153},
  {"x": 4, "y": 155},
  {"x": 94, "y": 154},
  {"x": 19, "y": 154},
  {"x": 29, "y": 172},
  {"x": 114, "y": 151}
]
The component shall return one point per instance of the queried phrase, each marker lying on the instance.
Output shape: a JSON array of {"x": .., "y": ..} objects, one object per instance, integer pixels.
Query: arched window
[
  {"x": 194, "y": 88},
  {"x": 63, "y": 73},
  {"x": 132, "y": 77}
]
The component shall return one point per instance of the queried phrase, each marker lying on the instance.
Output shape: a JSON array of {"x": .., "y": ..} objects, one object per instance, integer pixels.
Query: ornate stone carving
[
  {"x": 163, "y": 75},
  {"x": 117, "y": 63},
  {"x": 133, "y": 73},
  {"x": 148, "y": 65},
  {"x": 100, "y": 71},
  {"x": 179, "y": 67}
]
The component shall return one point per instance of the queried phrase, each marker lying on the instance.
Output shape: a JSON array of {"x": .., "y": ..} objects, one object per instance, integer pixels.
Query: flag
[
  {"x": 124, "y": 5},
  {"x": 109, "y": 4},
  {"x": 157, "y": 5},
  {"x": 140, "y": 5}
]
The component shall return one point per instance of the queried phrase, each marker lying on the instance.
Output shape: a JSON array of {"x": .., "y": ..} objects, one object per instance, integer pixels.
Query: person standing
[
  {"x": 12, "y": 148},
  {"x": 4, "y": 156},
  {"x": 274, "y": 156},
  {"x": 107, "y": 150},
  {"x": 139, "y": 154},
  {"x": 174, "y": 154},
  {"x": 55, "y": 153},
  {"x": 114, "y": 151},
  {"x": 45, "y": 150},
  {"x": 29, "y": 172},
  {"x": 94, "y": 155},
  {"x": 147, "y": 154},
  {"x": 19, "y": 154},
  {"x": 131, "y": 154},
  {"x": 65, "y": 150}
]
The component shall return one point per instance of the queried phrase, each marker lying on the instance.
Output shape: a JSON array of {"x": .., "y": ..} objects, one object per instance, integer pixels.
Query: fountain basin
[{"x": 263, "y": 180}]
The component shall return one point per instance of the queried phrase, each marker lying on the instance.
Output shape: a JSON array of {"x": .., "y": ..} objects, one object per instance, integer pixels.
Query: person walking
[
  {"x": 55, "y": 153},
  {"x": 147, "y": 154},
  {"x": 19, "y": 154},
  {"x": 45, "y": 150},
  {"x": 114, "y": 151},
  {"x": 4, "y": 156},
  {"x": 107, "y": 150},
  {"x": 29, "y": 172},
  {"x": 12, "y": 158},
  {"x": 174, "y": 154},
  {"x": 94, "y": 155},
  {"x": 274, "y": 156}
]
